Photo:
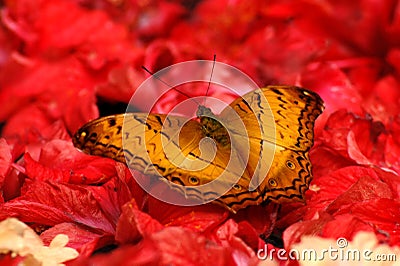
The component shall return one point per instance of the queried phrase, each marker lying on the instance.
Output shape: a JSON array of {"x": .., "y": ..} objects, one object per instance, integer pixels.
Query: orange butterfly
[{"x": 255, "y": 151}]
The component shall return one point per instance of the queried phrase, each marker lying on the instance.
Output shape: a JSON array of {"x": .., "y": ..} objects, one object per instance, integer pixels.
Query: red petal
[
  {"x": 182, "y": 247},
  {"x": 11, "y": 260},
  {"x": 249, "y": 235},
  {"x": 345, "y": 225},
  {"x": 121, "y": 84},
  {"x": 366, "y": 188},
  {"x": 261, "y": 218},
  {"x": 156, "y": 18},
  {"x": 49, "y": 204},
  {"x": 12, "y": 185},
  {"x": 198, "y": 217},
  {"x": 63, "y": 90},
  {"x": 381, "y": 101},
  {"x": 111, "y": 197},
  {"x": 133, "y": 224},
  {"x": 336, "y": 130},
  {"x": 334, "y": 88},
  {"x": 293, "y": 213},
  {"x": 372, "y": 19},
  {"x": 144, "y": 253},
  {"x": 81, "y": 239},
  {"x": 391, "y": 179},
  {"x": 393, "y": 58},
  {"x": 392, "y": 153},
  {"x": 360, "y": 139},
  {"x": 313, "y": 227},
  {"x": 383, "y": 215},
  {"x": 28, "y": 120},
  {"x": 160, "y": 54},
  {"x": 341, "y": 180},
  {"x": 39, "y": 172},
  {"x": 61, "y": 160},
  {"x": 5, "y": 161},
  {"x": 325, "y": 161}
]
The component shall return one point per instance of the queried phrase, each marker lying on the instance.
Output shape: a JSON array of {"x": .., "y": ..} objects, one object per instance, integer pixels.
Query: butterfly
[{"x": 255, "y": 151}]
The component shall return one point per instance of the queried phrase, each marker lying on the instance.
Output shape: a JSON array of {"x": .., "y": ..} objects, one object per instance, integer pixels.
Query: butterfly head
[{"x": 204, "y": 111}]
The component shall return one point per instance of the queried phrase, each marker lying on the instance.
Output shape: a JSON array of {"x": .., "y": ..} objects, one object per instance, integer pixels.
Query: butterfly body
[
  {"x": 211, "y": 127},
  {"x": 254, "y": 151}
]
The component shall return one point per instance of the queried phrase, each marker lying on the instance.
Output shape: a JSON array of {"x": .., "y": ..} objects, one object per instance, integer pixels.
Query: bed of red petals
[{"x": 59, "y": 59}]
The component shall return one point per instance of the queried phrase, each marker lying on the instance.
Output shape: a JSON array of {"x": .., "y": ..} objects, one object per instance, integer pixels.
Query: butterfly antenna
[
  {"x": 168, "y": 85},
  {"x": 209, "y": 82}
]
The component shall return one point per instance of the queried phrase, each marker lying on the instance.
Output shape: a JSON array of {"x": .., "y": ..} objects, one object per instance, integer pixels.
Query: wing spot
[
  {"x": 237, "y": 187},
  {"x": 112, "y": 122},
  {"x": 194, "y": 180},
  {"x": 272, "y": 182},
  {"x": 290, "y": 164},
  {"x": 119, "y": 129}
]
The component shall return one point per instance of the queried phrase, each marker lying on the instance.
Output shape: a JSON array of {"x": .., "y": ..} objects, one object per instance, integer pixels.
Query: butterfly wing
[
  {"x": 171, "y": 147},
  {"x": 102, "y": 137},
  {"x": 279, "y": 122}
]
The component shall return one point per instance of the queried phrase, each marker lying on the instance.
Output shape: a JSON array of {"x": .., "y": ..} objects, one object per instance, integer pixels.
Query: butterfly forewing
[{"x": 102, "y": 137}]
